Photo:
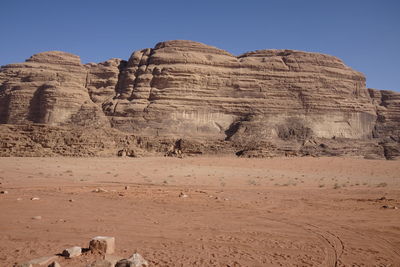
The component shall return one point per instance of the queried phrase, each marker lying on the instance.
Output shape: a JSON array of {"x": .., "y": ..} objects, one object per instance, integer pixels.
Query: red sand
[{"x": 239, "y": 212}]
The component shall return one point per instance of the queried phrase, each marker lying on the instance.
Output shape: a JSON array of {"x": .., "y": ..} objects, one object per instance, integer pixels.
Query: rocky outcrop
[
  {"x": 183, "y": 88},
  {"x": 102, "y": 80},
  {"x": 46, "y": 141},
  {"x": 187, "y": 95},
  {"x": 49, "y": 88},
  {"x": 387, "y": 127}
]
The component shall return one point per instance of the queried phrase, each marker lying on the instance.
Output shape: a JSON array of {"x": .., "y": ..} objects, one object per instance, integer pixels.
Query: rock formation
[
  {"x": 49, "y": 88},
  {"x": 189, "y": 97},
  {"x": 387, "y": 126}
]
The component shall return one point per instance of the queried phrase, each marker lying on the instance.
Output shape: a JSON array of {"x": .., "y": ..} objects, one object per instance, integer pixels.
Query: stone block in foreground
[{"x": 102, "y": 244}]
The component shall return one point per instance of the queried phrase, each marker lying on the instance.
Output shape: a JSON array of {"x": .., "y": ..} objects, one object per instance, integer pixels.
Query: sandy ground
[{"x": 239, "y": 212}]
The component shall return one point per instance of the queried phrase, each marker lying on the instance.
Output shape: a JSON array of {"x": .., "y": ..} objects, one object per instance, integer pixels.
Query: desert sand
[{"x": 238, "y": 212}]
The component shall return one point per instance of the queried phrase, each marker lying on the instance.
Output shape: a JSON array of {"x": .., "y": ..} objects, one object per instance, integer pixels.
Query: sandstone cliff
[
  {"x": 261, "y": 103},
  {"x": 387, "y": 126},
  {"x": 48, "y": 88}
]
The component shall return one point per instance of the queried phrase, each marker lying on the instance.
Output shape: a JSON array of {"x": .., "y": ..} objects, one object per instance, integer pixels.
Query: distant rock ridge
[{"x": 261, "y": 103}]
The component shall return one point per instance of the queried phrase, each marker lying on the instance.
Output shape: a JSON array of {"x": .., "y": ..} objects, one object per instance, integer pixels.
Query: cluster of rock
[
  {"x": 99, "y": 245},
  {"x": 187, "y": 97}
]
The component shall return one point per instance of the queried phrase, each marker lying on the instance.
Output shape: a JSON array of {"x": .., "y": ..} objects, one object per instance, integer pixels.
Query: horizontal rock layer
[
  {"x": 270, "y": 102},
  {"x": 48, "y": 88},
  {"x": 184, "y": 88}
]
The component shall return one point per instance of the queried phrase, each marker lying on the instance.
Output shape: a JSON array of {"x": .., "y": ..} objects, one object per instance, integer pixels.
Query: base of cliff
[{"x": 35, "y": 140}]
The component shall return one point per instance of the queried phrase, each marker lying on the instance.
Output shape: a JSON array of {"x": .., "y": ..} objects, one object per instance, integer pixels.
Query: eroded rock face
[
  {"x": 49, "y": 88},
  {"x": 266, "y": 102},
  {"x": 183, "y": 88},
  {"x": 103, "y": 79},
  {"x": 387, "y": 127}
]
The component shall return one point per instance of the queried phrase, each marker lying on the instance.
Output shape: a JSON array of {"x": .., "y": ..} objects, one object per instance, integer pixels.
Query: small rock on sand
[
  {"x": 183, "y": 195},
  {"x": 4, "y": 192},
  {"x": 136, "y": 260},
  {"x": 72, "y": 252},
  {"x": 37, "y": 217},
  {"x": 99, "y": 190},
  {"x": 35, "y": 198},
  {"x": 54, "y": 264},
  {"x": 389, "y": 207}
]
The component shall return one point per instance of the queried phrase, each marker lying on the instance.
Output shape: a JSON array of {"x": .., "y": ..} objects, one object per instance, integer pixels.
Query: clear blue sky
[{"x": 364, "y": 33}]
